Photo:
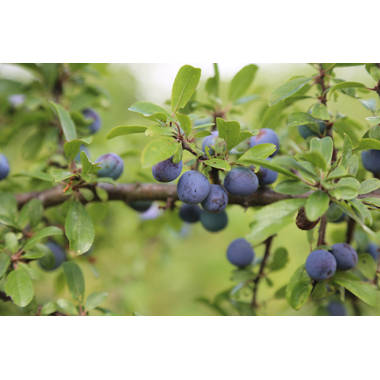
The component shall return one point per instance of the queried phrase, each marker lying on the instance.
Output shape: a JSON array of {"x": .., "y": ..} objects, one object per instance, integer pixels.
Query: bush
[{"x": 303, "y": 156}]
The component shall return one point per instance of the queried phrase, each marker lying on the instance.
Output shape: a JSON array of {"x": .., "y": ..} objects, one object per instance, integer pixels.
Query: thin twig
[
  {"x": 322, "y": 231},
  {"x": 260, "y": 275},
  {"x": 350, "y": 230}
]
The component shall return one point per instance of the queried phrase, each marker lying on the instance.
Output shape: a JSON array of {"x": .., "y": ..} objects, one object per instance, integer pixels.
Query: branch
[
  {"x": 129, "y": 192},
  {"x": 256, "y": 281},
  {"x": 322, "y": 231},
  {"x": 350, "y": 230}
]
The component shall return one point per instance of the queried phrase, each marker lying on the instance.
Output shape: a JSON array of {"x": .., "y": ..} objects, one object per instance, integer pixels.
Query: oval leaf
[
  {"x": 67, "y": 124},
  {"x": 74, "y": 279},
  {"x": 184, "y": 86},
  {"x": 125, "y": 130},
  {"x": 158, "y": 150},
  {"x": 316, "y": 205},
  {"x": 79, "y": 228},
  {"x": 19, "y": 287},
  {"x": 241, "y": 82}
]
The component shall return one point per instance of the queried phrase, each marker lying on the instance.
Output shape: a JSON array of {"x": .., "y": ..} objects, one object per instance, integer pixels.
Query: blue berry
[
  {"x": 241, "y": 181},
  {"x": 371, "y": 161},
  {"x": 193, "y": 187},
  {"x": 214, "y": 222},
  {"x": 4, "y": 167},
  {"x": 91, "y": 114},
  {"x": 111, "y": 165},
  {"x": 345, "y": 256},
  {"x": 217, "y": 199},
  {"x": 266, "y": 136},
  {"x": 190, "y": 213},
  {"x": 54, "y": 259},
  {"x": 167, "y": 170},
  {"x": 240, "y": 253},
  {"x": 320, "y": 265}
]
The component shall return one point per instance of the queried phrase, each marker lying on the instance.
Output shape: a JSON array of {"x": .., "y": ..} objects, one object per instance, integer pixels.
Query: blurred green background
[{"x": 150, "y": 270}]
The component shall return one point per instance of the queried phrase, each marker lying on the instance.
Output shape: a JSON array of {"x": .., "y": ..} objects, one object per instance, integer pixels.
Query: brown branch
[
  {"x": 322, "y": 231},
  {"x": 129, "y": 192},
  {"x": 350, "y": 230},
  {"x": 260, "y": 275}
]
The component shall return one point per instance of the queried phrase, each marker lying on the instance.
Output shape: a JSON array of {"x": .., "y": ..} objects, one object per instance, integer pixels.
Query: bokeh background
[{"x": 150, "y": 270}]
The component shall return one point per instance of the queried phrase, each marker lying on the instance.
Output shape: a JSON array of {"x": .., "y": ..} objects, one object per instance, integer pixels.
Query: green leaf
[
  {"x": 344, "y": 85},
  {"x": 125, "y": 130},
  {"x": 150, "y": 111},
  {"x": 8, "y": 222},
  {"x": 241, "y": 82},
  {"x": 79, "y": 228},
  {"x": 367, "y": 143},
  {"x": 66, "y": 307},
  {"x": 88, "y": 167},
  {"x": 280, "y": 259},
  {"x": 49, "y": 308},
  {"x": 36, "y": 175},
  {"x": 316, "y": 205},
  {"x": 44, "y": 233},
  {"x": 67, "y": 125},
  {"x": 246, "y": 99},
  {"x": 270, "y": 165},
  {"x": 363, "y": 290},
  {"x": 229, "y": 131},
  {"x": 292, "y": 187},
  {"x": 346, "y": 126},
  {"x": 11, "y": 242},
  {"x": 31, "y": 213},
  {"x": 347, "y": 150},
  {"x": 157, "y": 131},
  {"x": 260, "y": 151},
  {"x": 158, "y": 150},
  {"x": 264, "y": 224},
  {"x": 374, "y": 70},
  {"x": 212, "y": 84},
  {"x": 374, "y": 132},
  {"x": 8, "y": 205},
  {"x": 372, "y": 201},
  {"x": 319, "y": 291},
  {"x": 19, "y": 287},
  {"x": 288, "y": 89},
  {"x": 324, "y": 146},
  {"x": 314, "y": 158},
  {"x": 95, "y": 299},
  {"x": 185, "y": 122},
  {"x": 75, "y": 279},
  {"x": 320, "y": 111},
  {"x": 296, "y": 119},
  {"x": 366, "y": 265},
  {"x": 72, "y": 148},
  {"x": 4, "y": 263},
  {"x": 36, "y": 252},
  {"x": 369, "y": 185},
  {"x": 303, "y": 167},
  {"x": 218, "y": 163},
  {"x": 184, "y": 86},
  {"x": 346, "y": 188},
  {"x": 299, "y": 288}
]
